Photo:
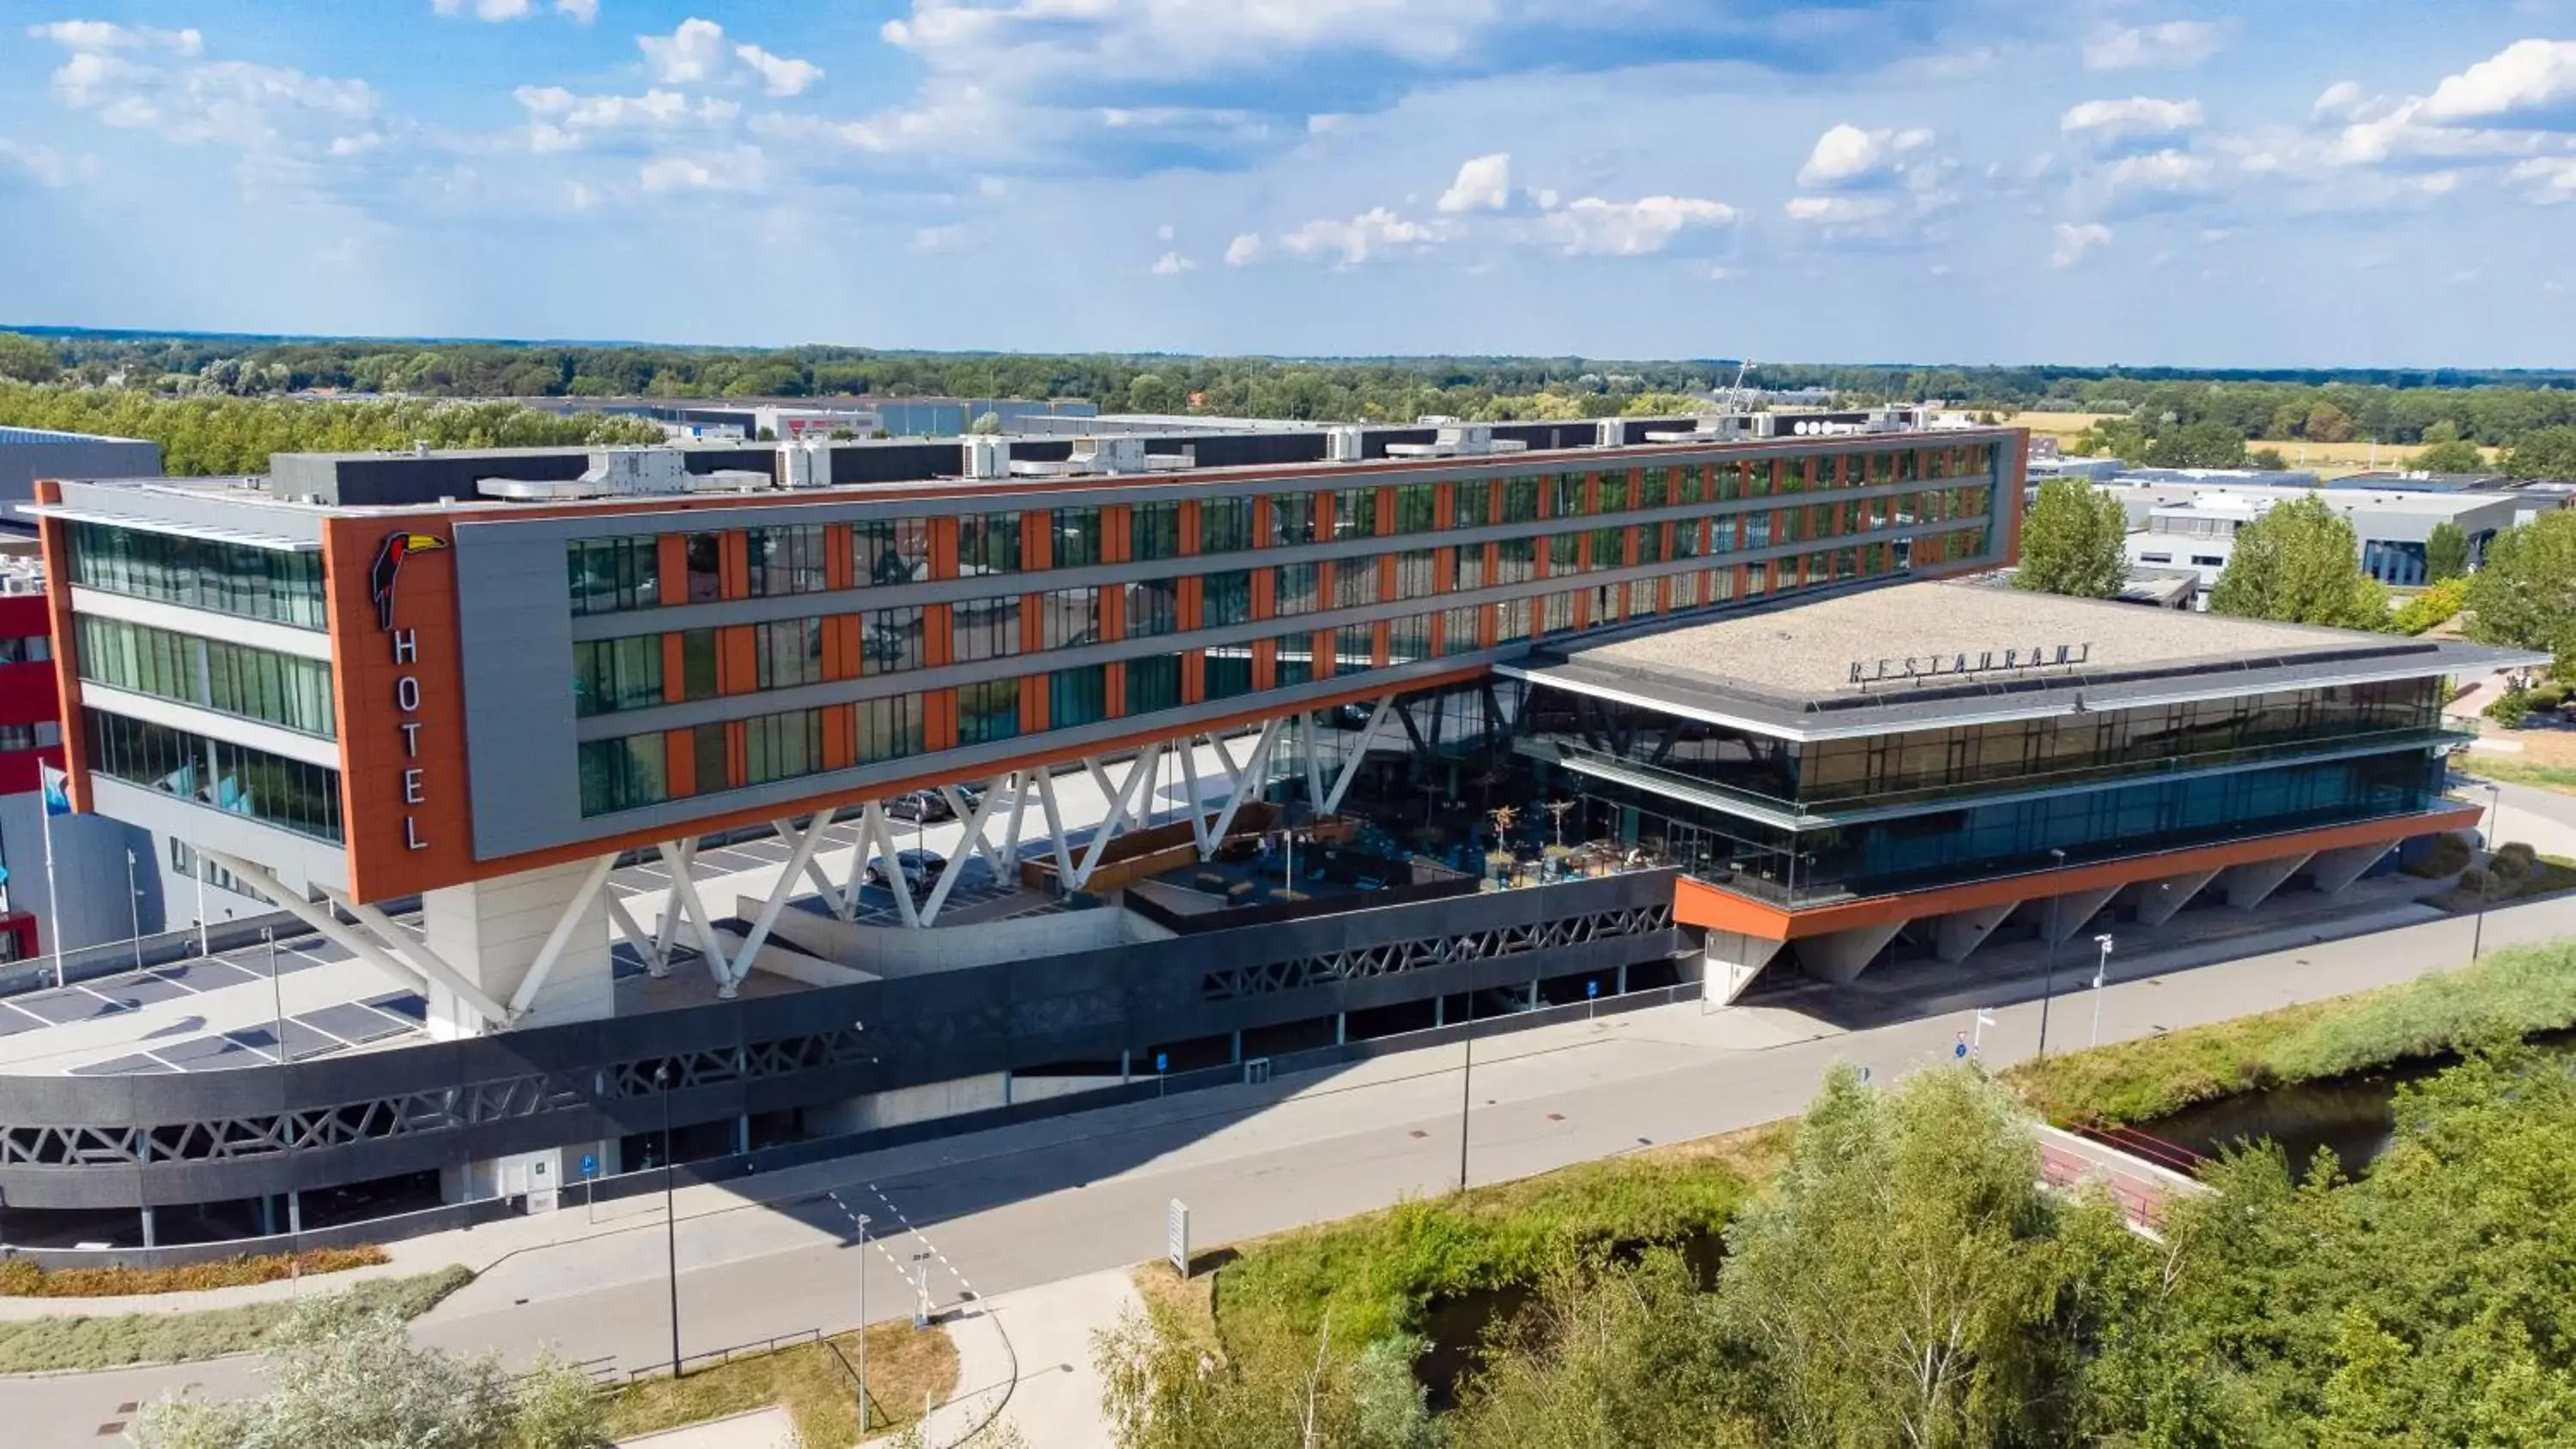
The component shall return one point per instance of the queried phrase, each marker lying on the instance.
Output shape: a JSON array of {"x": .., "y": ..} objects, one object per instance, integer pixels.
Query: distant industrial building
[
  {"x": 2189, "y": 527},
  {"x": 787, "y": 420}
]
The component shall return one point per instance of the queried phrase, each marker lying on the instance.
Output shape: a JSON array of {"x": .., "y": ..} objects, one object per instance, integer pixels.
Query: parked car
[
  {"x": 925, "y": 807},
  {"x": 920, "y": 868}
]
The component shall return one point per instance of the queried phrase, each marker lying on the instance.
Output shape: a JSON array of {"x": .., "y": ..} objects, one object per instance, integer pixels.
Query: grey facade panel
[{"x": 514, "y": 636}]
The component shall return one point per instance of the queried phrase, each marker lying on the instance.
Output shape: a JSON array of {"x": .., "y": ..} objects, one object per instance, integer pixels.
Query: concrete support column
[
  {"x": 2335, "y": 869},
  {"x": 1840, "y": 956},
  {"x": 2060, "y": 919},
  {"x": 1730, "y": 961},
  {"x": 1960, "y": 933},
  {"x": 494, "y": 931},
  {"x": 148, "y": 1239},
  {"x": 2158, "y": 900},
  {"x": 2252, "y": 884}
]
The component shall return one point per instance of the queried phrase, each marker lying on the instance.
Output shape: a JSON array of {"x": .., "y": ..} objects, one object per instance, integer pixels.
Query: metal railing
[{"x": 716, "y": 1357}]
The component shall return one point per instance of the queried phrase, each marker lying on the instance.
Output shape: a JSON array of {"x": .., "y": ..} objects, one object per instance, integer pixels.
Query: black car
[{"x": 920, "y": 868}]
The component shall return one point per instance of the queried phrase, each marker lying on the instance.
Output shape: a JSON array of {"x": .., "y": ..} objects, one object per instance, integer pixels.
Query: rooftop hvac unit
[
  {"x": 806, "y": 463},
  {"x": 1614, "y": 433},
  {"x": 987, "y": 456},
  {"x": 1114, "y": 454},
  {"x": 1458, "y": 440},
  {"x": 1345, "y": 443}
]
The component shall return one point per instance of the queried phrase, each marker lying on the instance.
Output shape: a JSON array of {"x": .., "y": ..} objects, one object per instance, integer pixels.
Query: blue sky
[{"x": 2295, "y": 182}]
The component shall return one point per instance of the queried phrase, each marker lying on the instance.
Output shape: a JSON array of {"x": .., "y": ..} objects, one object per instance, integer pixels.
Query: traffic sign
[
  {"x": 1592, "y": 988},
  {"x": 1162, "y": 1061},
  {"x": 590, "y": 1164}
]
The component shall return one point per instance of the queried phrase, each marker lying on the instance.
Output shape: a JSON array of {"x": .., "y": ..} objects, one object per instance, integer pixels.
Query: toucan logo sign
[
  {"x": 387, "y": 573},
  {"x": 382, "y": 581}
]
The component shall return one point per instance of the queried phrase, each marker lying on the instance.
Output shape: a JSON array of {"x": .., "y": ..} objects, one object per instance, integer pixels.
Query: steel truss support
[
  {"x": 560, "y": 936},
  {"x": 1351, "y": 766},
  {"x": 969, "y": 846},
  {"x": 415, "y": 967},
  {"x": 1244, "y": 784}
]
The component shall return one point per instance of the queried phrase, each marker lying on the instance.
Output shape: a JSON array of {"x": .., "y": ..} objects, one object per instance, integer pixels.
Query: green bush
[
  {"x": 2510, "y": 708},
  {"x": 2475, "y": 881},
  {"x": 2548, "y": 698},
  {"x": 2436, "y": 605},
  {"x": 2448, "y": 855},
  {"x": 22, "y": 1279},
  {"x": 2513, "y": 861}
]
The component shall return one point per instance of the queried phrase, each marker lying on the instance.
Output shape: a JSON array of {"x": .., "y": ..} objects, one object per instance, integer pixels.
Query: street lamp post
[
  {"x": 2101, "y": 971},
  {"x": 1467, "y": 1080},
  {"x": 2494, "y": 829},
  {"x": 2048, "y": 980},
  {"x": 670, "y": 1218},
  {"x": 862, "y": 1220},
  {"x": 134, "y": 907}
]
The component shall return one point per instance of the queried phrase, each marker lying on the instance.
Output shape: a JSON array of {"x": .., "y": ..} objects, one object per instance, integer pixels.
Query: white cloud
[
  {"x": 492, "y": 10},
  {"x": 1160, "y": 39},
  {"x": 2074, "y": 239},
  {"x": 1846, "y": 155},
  {"x": 2174, "y": 43},
  {"x": 937, "y": 238},
  {"x": 693, "y": 52},
  {"x": 1839, "y": 210},
  {"x": 2526, "y": 76},
  {"x": 1172, "y": 264},
  {"x": 45, "y": 164},
  {"x": 1325, "y": 122},
  {"x": 101, "y": 35},
  {"x": 582, "y": 12},
  {"x": 2158, "y": 171},
  {"x": 2343, "y": 101},
  {"x": 779, "y": 75},
  {"x": 1373, "y": 234},
  {"x": 1244, "y": 250},
  {"x": 1483, "y": 184},
  {"x": 1590, "y": 226},
  {"x": 2552, "y": 179},
  {"x": 2127, "y": 120},
  {"x": 744, "y": 168}
]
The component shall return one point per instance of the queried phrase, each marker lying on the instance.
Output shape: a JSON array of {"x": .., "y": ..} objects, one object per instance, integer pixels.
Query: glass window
[
  {"x": 1069, "y": 618},
  {"x": 889, "y": 728},
  {"x": 1520, "y": 500},
  {"x": 1472, "y": 503},
  {"x": 891, "y": 641},
  {"x": 1225, "y": 524},
  {"x": 988, "y": 711},
  {"x": 1292, "y": 659},
  {"x": 1559, "y": 615},
  {"x": 1408, "y": 639},
  {"x": 1567, "y": 501},
  {"x": 1077, "y": 696},
  {"x": 1292, "y": 519},
  {"x": 1153, "y": 607},
  {"x": 985, "y": 629},
  {"x": 1354, "y": 648},
  {"x": 787, "y": 560},
  {"x": 782, "y": 746},
  {"x": 1413, "y": 508},
  {"x": 1609, "y": 548},
  {"x": 1462, "y": 631},
  {"x": 1225, "y": 598},
  {"x": 1077, "y": 537},
  {"x": 1654, "y": 487},
  {"x": 1614, "y": 491},
  {"x": 1686, "y": 534},
  {"x": 789, "y": 652},
  {"x": 1512, "y": 621},
  {"x": 1650, "y": 543},
  {"x": 1292, "y": 590},
  {"x": 1515, "y": 560},
  {"x": 1564, "y": 554},
  {"x": 1227, "y": 671},
  {"x": 1354, "y": 582},
  {"x": 1153, "y": 531},
  {"x": 1467, "y": 566},
  {"x": 698, "y": 664},
  {"x": 1415, "y": 574},
  {"x": 714, "y": 760},
  {"x": 1355, "y": 513},
  {"x": 705, "y": 553},
  {"x": 285, "y": 690},
  {"x": 622, "y": 774},
  {"x": 26, "y": 649},
  {"x": 988, "y": 543},
  {"x": 1153, "y": 684},
  {"x": 271, "y": 789},
  {"x": 891, "y": 550},
  {"x": 279, "y": 585},
  {"x": 613, "y": 674}
]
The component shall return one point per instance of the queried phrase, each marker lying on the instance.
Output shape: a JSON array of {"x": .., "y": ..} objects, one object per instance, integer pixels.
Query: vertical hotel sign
[{"x": 384, "y": 582}]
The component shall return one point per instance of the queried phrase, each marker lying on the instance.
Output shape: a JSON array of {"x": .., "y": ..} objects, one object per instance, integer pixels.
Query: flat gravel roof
[{"x": 1808, "y": 648}]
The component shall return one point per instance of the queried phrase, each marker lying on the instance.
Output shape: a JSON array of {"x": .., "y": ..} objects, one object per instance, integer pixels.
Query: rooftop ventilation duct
[
  {"x": 986, "y": 456},
  {"x": 1715, "y": 428},
  {"x": 1112, "y": 455},
  {"x": 625, "y": 473},
  {"x": 1457, "y": 440},
  {"x": 806, "y": 463}
]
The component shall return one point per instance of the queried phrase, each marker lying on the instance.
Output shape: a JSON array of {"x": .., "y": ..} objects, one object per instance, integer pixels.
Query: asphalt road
[{"x": 1047, "y": 1201}]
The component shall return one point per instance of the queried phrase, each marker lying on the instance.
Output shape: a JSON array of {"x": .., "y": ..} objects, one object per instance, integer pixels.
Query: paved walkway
[{"x": 1044, "y": 1202}]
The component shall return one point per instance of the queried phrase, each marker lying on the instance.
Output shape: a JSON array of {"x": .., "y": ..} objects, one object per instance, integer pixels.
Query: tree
[
  {"x": 24, "y": 359},
  {"x": 2210, "y": 444},
  {"x": 2543, "y": 453},
  {"x": 2110, "y": 438},
  {"x": 2269, "y": 458},
  {"x": 2525, "y": 593},
  {"x": 1908, "y": 1282},
  {"x": 2327, "y": 423},
  {"x": 2454, "y": 456},
  {"x": 343, "y": 1375},
  {"x": 1609, "y": 1356},
  {"x": 2300, "y": 563},
  {"x": 2074, "y": 542},
  {"x": 2446, "y": 553}
]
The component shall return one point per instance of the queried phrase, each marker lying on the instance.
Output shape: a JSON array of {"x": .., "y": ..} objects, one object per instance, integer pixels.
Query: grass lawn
[
  {"x": 22, "y": 1279},
  {"x": 2513, "y": 770},
  {"x": 2551, "y": 873},
  {"x": 118, "y": 1340},
  {"x": 2326, "y": 460},
  {"x": 2508, "y": 995},
  {"x": 907, "y": 1370},
  {"x": 1375, "y": 1272}
]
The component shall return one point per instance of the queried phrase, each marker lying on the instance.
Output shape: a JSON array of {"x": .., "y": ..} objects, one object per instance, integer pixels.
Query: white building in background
[{"x": 2190, "y": 526}]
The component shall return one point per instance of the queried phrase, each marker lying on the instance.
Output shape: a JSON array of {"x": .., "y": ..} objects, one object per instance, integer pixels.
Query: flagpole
[{"x": 53, "y": 898}]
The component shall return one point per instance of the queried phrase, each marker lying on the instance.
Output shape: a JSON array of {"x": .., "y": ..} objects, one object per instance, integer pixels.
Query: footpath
[{"x": 1046, "y": 1216}]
